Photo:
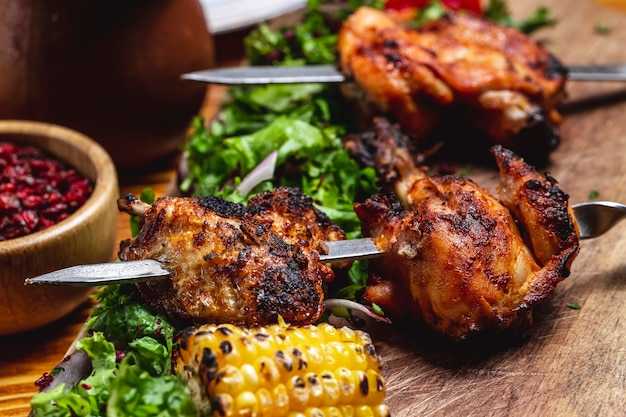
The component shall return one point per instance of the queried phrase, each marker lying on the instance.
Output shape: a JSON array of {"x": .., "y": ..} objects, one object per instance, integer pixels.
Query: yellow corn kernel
[
  {"x": 347, "y": 411},
  {"x": 228, "y": 380},
  {"x": 265, "y": 402},
  {"x": 298, "y": 393},
  {"x": 376, "y": 387},
  {"x": 363, "y": 411},
  {"x": 314, "y": 358},
  {"x": 281, "y": 371},
  {"x": 269, "y": 376},
  {"x": 250, "y": 376},
  {"x": 333, "y": 412},
  {"x": 281, "y": 400},
  {"x": 314, "y": 412},
  {"x": 331, "y": 388},
  {"x": 347, "y": 385},
  {"x": 246, "y": 404}
]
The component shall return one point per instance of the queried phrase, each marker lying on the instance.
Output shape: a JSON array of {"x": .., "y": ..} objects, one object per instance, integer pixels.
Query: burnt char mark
[
  {"x": 208, "y": 364},
  {"x": 125, "y": 203},
  {"x": 376, "y": 148},
  {"x": 184, "y": 335},
  {"x": 286, "y": 289},
  {"x": 291, "y": 198},
  {"x": 378, "y": 210},
  {"x": 555, "y": 69},
  {"x": 503, "y": 155},
  {"x": 553, "y": 205},
  {"x": 222, "y": 207},
  {"x": 291, "y": 202}
]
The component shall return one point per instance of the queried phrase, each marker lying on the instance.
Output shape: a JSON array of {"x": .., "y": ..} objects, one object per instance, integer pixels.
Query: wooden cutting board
[{"x": 573, "y": 362}]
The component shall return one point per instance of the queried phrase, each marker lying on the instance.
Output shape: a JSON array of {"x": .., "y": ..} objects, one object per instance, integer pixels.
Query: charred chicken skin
[
  {"x": 231, "y": 263},
  {"x": 460, "y": 73},
  {"x": 460, "y": 259}
]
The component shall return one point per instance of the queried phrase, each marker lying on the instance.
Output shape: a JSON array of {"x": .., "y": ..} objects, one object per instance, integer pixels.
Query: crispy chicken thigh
[
  {"x": 460, "y": 73},
  {"x": 234, "y": 263},
  {"x": 460, "y": 259}
]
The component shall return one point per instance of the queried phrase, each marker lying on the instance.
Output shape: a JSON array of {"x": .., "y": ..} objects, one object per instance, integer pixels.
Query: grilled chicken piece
[
  {"x": 291, "y": 215},
  {"x": 232, "y": 263},
  {"x": 460, "y": 74},
  {"x": 460, "y": 259}
]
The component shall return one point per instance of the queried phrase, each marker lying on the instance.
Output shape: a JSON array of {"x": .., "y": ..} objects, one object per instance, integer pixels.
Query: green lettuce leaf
[
  {"x": 138, "y": 393},
  {"x": 87, "y": 398}
]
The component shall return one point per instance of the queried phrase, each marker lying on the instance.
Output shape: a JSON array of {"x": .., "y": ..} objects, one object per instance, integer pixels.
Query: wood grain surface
[{"x": 572, "y": 362}]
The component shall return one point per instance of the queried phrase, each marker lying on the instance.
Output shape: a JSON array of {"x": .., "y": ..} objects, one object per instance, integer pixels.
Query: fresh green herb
[
  {"x": 296, "y": 122},
  {"x": 138, "y": 393},
  {"x": 357, "y": 277},
  {"x": 141, "y": 384},
  {"x": 124, "y": 318},
  {"x": 573, "y": 306},
  {"x": 147, "y": 196},
  {"x": 433, "y": 11},
  {"x": 602, "y": 29},
  {"x": 89, "y": 397},
  {"x": 378, "y": 310},
  {"x": 498, "y": 11},
  {"x": 465, "y": 171},
  {"x": 593, "y": 194}
]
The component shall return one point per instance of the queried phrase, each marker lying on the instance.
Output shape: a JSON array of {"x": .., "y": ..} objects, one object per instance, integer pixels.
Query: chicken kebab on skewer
[
  {"x": 231, "y": 263},
  {"x": 458, "y": 258},
  {"x": 460, "y": 79}
]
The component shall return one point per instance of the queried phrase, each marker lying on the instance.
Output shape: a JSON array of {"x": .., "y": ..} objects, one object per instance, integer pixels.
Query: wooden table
[{"x": 574, "y": 362}]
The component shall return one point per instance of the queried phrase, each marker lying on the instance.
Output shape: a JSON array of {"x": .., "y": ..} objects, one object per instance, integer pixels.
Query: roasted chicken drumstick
[
  {"x": 458, "y": 75},
  {"x": 458, "y": 258},
  {"x": 232, "y": 263}
]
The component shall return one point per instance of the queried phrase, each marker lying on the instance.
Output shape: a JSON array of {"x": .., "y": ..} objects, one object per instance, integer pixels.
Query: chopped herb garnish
[
  {"x": 464, "y": 172},
  {"x": 573, "y": 306},
  {"x": 498, "y": 11},
  {"x": 593, "y": 194},
  {"x": 602, "y": 29},
  {"x": 377, "y": 309}
]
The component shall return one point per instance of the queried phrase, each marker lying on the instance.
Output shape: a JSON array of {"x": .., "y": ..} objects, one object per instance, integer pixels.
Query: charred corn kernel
[
  {"x": 314, "y": 358},
  {"x": 316, "y": 389},
  {"x": 267, "y": 369},
  {"x": 281, "y": 371},
  {"x": 347, "y": 385},
  {"x": 228, "y": 380},
  {"x": 331, "y": 388}
]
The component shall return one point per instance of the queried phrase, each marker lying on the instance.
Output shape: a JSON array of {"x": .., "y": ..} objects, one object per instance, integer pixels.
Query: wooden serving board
[{"x": 573, "y": 362}]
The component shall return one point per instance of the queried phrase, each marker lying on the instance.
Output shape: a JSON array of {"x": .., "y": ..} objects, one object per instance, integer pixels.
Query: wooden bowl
[{"x": 86, "y": 236}]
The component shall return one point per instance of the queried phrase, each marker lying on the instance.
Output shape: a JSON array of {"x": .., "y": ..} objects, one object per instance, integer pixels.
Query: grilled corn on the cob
[{"x": 311, "y": 371}]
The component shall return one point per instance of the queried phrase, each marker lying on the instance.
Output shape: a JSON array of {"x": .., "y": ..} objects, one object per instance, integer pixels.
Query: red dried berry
[
  {"x": 36, "y": 190},
  {"x": 45, "y": 380}
]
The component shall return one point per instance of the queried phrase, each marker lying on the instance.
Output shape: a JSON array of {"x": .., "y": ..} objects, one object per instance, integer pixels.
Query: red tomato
[
  {"x": 471, "y": 5},
  {"x": 404, "y": 4}
]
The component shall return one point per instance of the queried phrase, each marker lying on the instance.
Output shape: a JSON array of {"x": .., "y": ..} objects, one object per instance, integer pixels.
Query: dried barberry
[{"x": 36, "y": 190}]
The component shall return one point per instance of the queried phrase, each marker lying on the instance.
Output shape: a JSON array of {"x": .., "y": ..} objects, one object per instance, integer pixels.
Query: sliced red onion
[
  {"x": 354, "y": 307},
  {"x": 262, "y": 172}
]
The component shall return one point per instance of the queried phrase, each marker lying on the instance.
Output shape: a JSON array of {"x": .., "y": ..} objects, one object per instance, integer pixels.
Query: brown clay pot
[{"x": 107, "y": 68}]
